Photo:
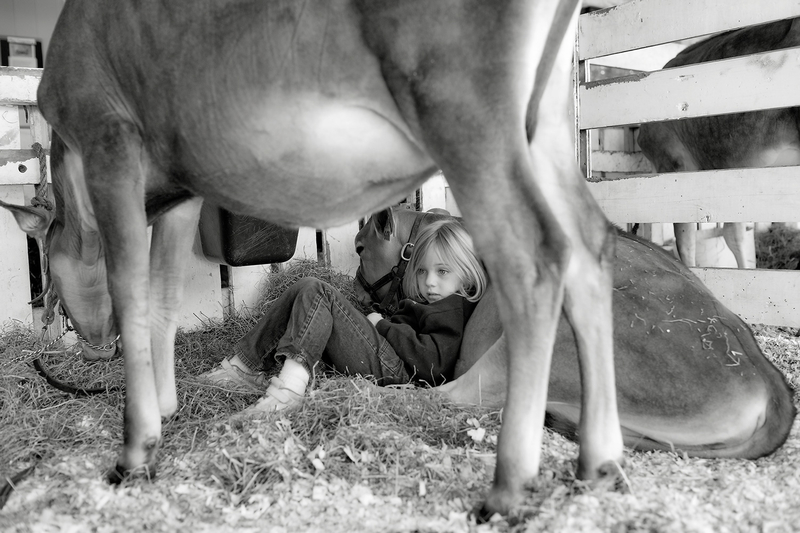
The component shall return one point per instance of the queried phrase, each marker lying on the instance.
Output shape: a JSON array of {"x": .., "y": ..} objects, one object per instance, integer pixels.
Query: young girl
[{"x": 312, "y": 321}]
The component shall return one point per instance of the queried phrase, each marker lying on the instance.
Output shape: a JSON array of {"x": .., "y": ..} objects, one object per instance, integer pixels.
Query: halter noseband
[{"x": 394, "y": 276}]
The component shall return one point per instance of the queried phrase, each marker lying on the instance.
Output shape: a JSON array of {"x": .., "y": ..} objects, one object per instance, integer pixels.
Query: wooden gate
[{"x": 761, "y": 81}]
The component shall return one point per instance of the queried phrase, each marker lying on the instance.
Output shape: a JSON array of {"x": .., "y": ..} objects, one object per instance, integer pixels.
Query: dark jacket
[{"x": 427, "y": 337}]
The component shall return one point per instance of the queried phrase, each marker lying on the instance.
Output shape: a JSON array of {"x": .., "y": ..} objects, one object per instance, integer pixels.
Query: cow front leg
[
  {"x": 170, "y": 249},
  {"x": 116, "y": 168}
]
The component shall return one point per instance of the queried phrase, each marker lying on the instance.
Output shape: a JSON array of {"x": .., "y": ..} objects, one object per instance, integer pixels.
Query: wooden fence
[{"x": 761, "y": 81}]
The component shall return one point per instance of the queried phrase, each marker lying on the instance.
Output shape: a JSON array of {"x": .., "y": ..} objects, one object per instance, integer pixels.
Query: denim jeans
[{"x": 312, "y": 321}]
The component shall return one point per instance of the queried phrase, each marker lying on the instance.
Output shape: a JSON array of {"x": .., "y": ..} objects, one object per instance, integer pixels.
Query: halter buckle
[{"x": 406, "y": 247}]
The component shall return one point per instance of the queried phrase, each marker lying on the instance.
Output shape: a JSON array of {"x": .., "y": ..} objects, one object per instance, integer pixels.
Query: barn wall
[{"x": 30, "y": 18}]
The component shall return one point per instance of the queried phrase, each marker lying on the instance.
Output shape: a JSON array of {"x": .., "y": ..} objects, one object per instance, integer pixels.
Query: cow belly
[{"x": 306, "y": 162}]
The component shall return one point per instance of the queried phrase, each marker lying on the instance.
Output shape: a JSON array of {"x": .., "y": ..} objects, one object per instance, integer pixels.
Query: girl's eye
[{"x": 443, "y": 272}]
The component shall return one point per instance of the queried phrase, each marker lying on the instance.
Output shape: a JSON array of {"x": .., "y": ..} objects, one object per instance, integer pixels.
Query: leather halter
[{"x": 394, "y": 276}]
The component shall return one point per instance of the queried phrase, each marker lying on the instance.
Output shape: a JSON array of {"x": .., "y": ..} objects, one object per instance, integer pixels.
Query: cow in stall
[
  {"x": 755, "y": 139},
  {"x": 315, "y": 113},
  {"x": 690, "y": 376}
]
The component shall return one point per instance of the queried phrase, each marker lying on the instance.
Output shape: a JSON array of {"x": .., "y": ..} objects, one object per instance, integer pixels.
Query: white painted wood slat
[
  {"x": 18, "y": 85},
  {"x": 14, "y": 281},
  {"x": 758, "y": 296},
  {"x": 733, "y": 195},
  {"x": 760, "y": 81},
  {"x": 18, "y": 168},
  {"x": 642, "y": 23}
]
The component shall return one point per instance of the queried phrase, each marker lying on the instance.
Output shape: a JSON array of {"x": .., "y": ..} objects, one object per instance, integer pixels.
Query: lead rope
[
  {"x": 49, "y": 296},
  {"x": 40, "y": 199}
]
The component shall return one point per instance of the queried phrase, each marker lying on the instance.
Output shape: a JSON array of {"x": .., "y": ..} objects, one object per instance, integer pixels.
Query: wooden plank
[
  {"x": 202, "y": 293},
  {"x": 642, "y": 23},
  {"x": 339, "y": 248},
  {"x": 14, "y": 280},
  {"x": 18, "y": 85},
  {"x": 760, "y": 81},
  {"x": 306, "y": 248},
  {"x": 9, "y": 127},
  {"x": 434, "y": 192},
  {"x": 734, "y": 195},
  {"x": 247, "y": 284},
  {"x": 19, "y": 167},
  {"x": 758, "y": 296},
  {"x": 40, "y": 129}
]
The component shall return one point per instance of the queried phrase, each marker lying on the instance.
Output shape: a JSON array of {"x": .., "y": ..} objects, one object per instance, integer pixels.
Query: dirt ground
[{"x": 356, "y": 458}]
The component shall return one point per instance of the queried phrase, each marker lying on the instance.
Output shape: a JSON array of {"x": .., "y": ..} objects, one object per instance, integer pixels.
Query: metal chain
[
  {"x": 107, "y": 347},
  {"x": 50, "y": 344}
]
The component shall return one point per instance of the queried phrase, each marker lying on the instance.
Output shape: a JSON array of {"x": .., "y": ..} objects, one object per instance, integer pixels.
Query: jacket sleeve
[{"x": 429, "y": 355}]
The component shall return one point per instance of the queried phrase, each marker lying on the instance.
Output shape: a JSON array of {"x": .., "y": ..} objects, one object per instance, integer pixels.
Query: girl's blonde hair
[{"x": 454, "y": 245}]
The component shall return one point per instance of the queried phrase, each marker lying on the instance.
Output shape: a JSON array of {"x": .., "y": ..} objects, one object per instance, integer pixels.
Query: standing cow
[
  {"x": 739, "y": 140},
  {"x": 314, "y": 113}
]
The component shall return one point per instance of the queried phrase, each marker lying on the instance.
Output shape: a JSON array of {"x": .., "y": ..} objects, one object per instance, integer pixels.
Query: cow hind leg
[
  {"x": 686, "y": 242},
  {"x": 116, "y": 167},
  {"x": 588, "y": 307},
  {"x": 524, "y": 250},
  {"x": 474, "y": 126},
  {"x": 735, "y": 234}
]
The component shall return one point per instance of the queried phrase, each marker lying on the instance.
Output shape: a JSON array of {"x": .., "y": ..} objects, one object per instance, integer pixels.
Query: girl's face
[{"x": 435, "y": 278}]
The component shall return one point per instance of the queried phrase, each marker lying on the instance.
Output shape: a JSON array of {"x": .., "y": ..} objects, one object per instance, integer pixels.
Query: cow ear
[
  {"x": 32, "y": 220},
  {"x": 384, "y": 223}
]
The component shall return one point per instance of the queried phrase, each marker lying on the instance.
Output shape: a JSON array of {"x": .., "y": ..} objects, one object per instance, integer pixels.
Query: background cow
[
  {"x": 740, "y": 140},
  {"x": 315, "y": 113}
]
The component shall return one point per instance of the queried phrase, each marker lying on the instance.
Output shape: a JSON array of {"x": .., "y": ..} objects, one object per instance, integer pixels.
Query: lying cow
[
  {"x": 315, "y": 113},
  {"x": 739, "y": 140},
  {"x": 690, "y": 375}
]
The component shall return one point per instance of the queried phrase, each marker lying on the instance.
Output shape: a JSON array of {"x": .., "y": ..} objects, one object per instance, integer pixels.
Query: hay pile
[
  {"x": 778, "y": 247},
  {"x": 355, "y": 458}
]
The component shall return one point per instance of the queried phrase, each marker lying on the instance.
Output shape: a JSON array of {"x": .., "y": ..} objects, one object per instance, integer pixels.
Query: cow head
[
  {"x": 378, "y": 248},
  {"x": 379, "y": 244},
  {"x": 77, "y": 267}
]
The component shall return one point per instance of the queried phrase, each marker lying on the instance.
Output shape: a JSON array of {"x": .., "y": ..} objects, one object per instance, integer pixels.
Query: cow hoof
[
  {"x": 119, "y": 473},
  {"x": 498, "y": 502},
  {"x": 146, "y": 462},
  {"x": 610, "y": 478},
  {"x": 482, "y": 513}
]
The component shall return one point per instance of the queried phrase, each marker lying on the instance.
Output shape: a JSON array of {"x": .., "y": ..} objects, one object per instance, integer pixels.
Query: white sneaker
[
  {"x": 279, "y": 397},
  {"x": 231, "y": 376}
]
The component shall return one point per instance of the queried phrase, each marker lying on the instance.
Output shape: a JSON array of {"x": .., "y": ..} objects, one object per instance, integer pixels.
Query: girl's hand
[{"x": 374, "y": 318}]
